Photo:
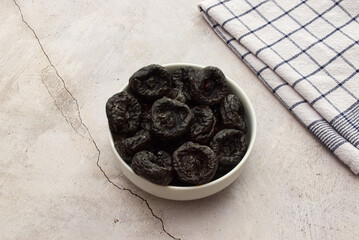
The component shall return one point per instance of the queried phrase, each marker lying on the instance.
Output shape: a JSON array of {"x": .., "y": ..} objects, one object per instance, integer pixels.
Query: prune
[
  {"x": 229, "y": 146},
  {"x": 123, "y": 113},
  {"x": 194, "y": 163},
  {"x": 177, "y": 94},
  {"x": 170, "y": 118},
  {"x": 150, "y": 82},
  {"x": 181, "y": 76},
  {"x": 208, "y": 86},
  {"x": 155, "y": 168},
  {"x": 189, "y": 113},
  {"x": 145, "y": 118},
  {"x": 181, "y": 83},
  {"x": 232, "y": 113},
  {"x": 129, "y": 146},
  {"x": 203, "y": 126}
]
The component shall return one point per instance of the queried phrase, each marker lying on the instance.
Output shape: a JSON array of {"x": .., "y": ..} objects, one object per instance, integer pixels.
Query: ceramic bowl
[{"x": 201, "y": 191}]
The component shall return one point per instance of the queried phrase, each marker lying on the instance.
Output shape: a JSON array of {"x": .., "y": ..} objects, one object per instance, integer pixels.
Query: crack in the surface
[
  {"x": 130, "y": 191},
  {"x": 57, "y": 74},
  {"x": 84, "y": 125},
  {"x": 52, "y": 96}
]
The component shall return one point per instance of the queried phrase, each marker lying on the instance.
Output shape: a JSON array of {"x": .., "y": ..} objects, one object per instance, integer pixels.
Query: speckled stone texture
[{"x": 61, "y": 60}]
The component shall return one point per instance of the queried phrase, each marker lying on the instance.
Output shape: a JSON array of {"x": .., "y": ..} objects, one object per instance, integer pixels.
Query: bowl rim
[{"x": 252, "y": 138}]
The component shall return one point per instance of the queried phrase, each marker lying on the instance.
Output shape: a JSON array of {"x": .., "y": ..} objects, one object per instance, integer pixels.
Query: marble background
[{"x": 61, "y": 60}]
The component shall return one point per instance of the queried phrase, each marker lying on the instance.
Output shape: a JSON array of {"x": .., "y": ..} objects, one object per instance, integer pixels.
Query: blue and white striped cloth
[{"x": 307, "y": 53}]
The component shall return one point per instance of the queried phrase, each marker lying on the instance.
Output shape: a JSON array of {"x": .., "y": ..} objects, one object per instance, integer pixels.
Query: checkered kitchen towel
[{"x": 307, "y": 54}]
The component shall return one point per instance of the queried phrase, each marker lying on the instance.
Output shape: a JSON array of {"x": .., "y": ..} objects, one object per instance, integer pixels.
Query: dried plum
[
  {"x": 170, "y": 118},
  {"x": 150, "y": 82},
  {"x": 232, "y": 113},
  {"x": 194, "y": 163},
  {"x": 181, "y": 76},
  {"x": 203, "y": 126},
  {"x": 208, "y": 86},
  {"x": 129, "y": 146},
  {"x": 155, "y": 168},
  {"x": 123, "y": 113},
  {"x": 189, "y": 113},
  {"x": 177, "y": 94},
  {"x": 181, "y": 83},
  {"x": 145, "y": 118},
  {"x": 230, "y": 147}
]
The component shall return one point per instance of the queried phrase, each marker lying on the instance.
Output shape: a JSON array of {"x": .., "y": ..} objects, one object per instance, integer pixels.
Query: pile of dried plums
[{"x": 181, "y": 129}]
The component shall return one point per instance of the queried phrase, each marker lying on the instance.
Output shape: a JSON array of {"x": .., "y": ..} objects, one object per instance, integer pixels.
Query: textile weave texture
[{"x": 307, "y": 53}]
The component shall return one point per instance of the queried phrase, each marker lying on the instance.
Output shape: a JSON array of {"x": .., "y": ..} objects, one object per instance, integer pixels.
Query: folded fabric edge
[
  {"x": 333, "y": 141},
  {"x": 341, "y": 115}
]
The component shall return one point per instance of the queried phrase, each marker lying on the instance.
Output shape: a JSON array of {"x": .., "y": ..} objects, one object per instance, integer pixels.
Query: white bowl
[{"x": 204, "y": 190}]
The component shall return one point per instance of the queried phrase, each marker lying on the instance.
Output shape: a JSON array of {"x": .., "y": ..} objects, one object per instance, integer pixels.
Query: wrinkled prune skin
[
  {"x": 189, "y": 113},
  {"x": 123, "y": 113},
  {"x": 177, "y": 94},
  {"x": 128, "y": 147},
  {"x": 181, "y": 84},
  {"x": 203, "y": 125},
  {"x": 208, "y": 86},
  {"x": 232, "y": 113},
  {"x": 229, "y": 146},
  {"x": 170, "y": 118},
  {"x": 194, "y": 163},
  {"x": 145, "y": 118},
  {"x": 155, "y": 168},
  {"x": 151, "y": 82}
]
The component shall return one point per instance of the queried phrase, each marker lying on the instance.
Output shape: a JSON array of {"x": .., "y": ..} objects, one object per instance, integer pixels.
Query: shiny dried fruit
[
  {"x": 150, "y": 82},
  {"x": 128, "y": 147},
  {"x": 203, "y": 126},
  {"x": 170, "y": 118},
  {"x": 208, "y": 86},
  {"x": 232, "y": 113},
  {"x": 194, "y": 164},
  {"x": 229, "y": 146},
  {"x": 155, "y": 168},
  {"x": 123, "y": 113}
]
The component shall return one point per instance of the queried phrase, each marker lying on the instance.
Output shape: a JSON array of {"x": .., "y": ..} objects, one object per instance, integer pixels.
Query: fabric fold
[{"x": 306, "y": 53}]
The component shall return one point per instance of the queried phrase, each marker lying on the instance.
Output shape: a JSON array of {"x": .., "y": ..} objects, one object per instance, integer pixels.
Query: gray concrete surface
[{"x": 59, "y": 63}]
